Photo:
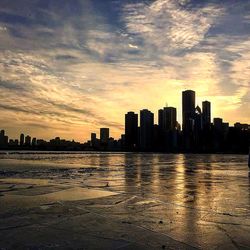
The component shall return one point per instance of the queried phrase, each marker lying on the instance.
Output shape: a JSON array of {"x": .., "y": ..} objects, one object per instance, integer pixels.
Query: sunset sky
[{"x": 69, "y": 67}]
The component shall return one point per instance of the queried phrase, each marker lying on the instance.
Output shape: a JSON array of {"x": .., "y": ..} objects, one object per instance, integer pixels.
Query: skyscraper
[
  {"x": 220, "y": 130},
  {"x": 104, "y": 135},
  {"x": 167, "y": 128},
  {"x": 188, "y": 119},
  {"x": 160, "y": 118},
  {"x": 169, "y": 118},
  {"x": 188, "y": 109},
  {"x": 27, "y": 140},
  {"x": 131, "y": 130},
  {"x": 197, "y": 130},
  {"x": 21, "y": 139},
  {"x": 33, "y": 143},
  {"x": 146, "y": 129},
  {"x": 206, "y": 114},
  {"x": 160, "y": 131},
  {"x": 218, "y": 124},
  {"x": 198, "y": 119},
  {"x": 93, "y": 139},
  {"x": 2, "y": 135}
]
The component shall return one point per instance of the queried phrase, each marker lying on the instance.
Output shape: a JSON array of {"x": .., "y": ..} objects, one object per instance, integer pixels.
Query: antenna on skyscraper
[{"x": 166, "y": 104}]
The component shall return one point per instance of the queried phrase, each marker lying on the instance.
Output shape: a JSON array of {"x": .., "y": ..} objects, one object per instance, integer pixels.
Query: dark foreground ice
[{"x": 124, "y": 201}]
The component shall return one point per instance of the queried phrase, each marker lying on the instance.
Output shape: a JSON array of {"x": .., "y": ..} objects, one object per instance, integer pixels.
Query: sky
[{"x": 68, "y": 68}]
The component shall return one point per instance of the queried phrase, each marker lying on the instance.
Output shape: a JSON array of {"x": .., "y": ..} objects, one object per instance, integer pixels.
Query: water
[{"x": 198, "y": 200}]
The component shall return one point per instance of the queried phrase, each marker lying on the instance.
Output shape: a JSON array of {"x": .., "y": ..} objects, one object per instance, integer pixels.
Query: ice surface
[{"x": 124, "y": 201}]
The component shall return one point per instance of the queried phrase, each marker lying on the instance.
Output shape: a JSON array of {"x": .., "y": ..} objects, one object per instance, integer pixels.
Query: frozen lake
[{"x": 124, "y": 201}]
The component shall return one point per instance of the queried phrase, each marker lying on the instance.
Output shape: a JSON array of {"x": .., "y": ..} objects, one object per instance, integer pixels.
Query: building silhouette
[
  {"x": 104, "y": 137},
  {"x": 33, "y": 142},
  {"x": 146, "y": 130},
  {"x": 188, "y": 110},
  {"x": 197, "y": 129},
  {"x": 167, "y": 130},
  {"x": 21, "y": 139},
  {"x": 206, "y": 114},
  {"x": 131, "y": 131},
  {"x": 94, "y": 141},
  {"x": 27, "y": 140},
  {"x": 13, "y": 142},
  {"x": 169, "y": 118},
  {"x": 188, "y": 119},
  {"x": 93, "y": 137},
  {"x": 218, "y": 124},
  {"x": 2, "y": 138},
  {"x": 160, "y": 119},
  {"x": 220, "y": 134},
  {"x": 206, "y": 134},
  {"x": 199, "y": 134}
]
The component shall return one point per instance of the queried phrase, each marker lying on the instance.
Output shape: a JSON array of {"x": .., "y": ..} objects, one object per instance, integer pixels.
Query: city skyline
[
  {"x": 70, "y": 67},
  {"x": 197, "y": 133},
  {"x": 156, "y": 121}
]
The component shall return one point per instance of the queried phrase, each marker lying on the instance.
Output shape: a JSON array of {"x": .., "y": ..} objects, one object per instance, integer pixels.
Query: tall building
[
  {"x": 206, "y": 114},
  {"x": 104, "y": 135},
  {"x": 4, "y": 139},
  {"x": 157, "y": 136},
  {"x": 27, "y": 140},
  {"x": 131, "y": 130},
  {"x": 146, "y": 129},
  {"x": 21, "y": 139},
  {"x": 2, "y": 135},
  {"x": 167, "y": 129},
  {"x": 188, "y": 109},
  {"x": 93, "y": 139},
  {"x": 33, "y": 143},
  {"x": 198, "y": 119},
  {"x": 188, "y": 119},
  {"x": 160, "y": 131},
  {"x": 220, "y": 131},
  {"x": 197, "y": 130},
  {"x": 169, "y": 118},
  {"x": 160, "y": 118},
  {"x": 218, "y": 124}
]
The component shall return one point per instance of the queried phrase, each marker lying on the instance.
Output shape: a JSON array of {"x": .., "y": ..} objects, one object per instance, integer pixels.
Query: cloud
[
  {"x": 166, "y": 26},
  {"x": 12, "y": 86},
  {"x": 76, "y": 66}
]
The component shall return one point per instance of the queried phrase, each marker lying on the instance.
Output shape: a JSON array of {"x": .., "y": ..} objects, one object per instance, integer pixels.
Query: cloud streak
[
  {"x": 167, "y": 26},
  {"x": 76, "y": 66}
]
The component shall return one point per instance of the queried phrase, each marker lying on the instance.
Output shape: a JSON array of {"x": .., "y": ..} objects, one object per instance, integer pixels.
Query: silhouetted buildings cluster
[
  {"x": 28, "y": 143},
  {"x": 104, "y": 143},
  {"x": 198, "y": 135}
]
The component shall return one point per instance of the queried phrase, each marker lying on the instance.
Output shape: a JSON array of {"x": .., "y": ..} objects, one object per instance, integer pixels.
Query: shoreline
[{"x": 35, "y": 151}]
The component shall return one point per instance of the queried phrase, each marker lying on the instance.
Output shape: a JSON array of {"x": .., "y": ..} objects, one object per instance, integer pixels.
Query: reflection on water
[
  {"x": 201, "y": 193},
  {"x": 218, "y": 182}
]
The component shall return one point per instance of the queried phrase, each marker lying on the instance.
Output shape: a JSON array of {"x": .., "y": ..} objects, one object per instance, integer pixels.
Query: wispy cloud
[
  {"x": 82, "y": 64},
  {"x": 167, "y": 26}
]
